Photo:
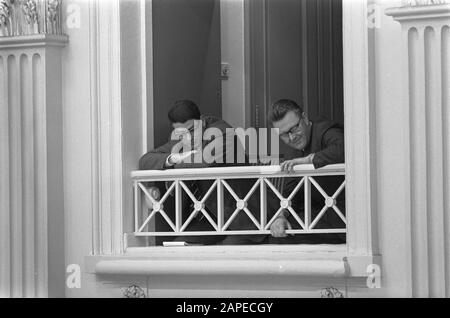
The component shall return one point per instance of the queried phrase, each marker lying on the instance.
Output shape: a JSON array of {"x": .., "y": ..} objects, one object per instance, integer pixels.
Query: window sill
[{"x": 306, "y": 260}]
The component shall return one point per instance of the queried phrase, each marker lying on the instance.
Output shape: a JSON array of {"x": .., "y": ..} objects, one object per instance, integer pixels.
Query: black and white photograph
[{"x": 224, "y": 154}]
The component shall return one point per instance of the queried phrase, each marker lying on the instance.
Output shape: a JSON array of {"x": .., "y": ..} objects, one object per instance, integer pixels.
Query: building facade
[{"x": 77, "y": 111}]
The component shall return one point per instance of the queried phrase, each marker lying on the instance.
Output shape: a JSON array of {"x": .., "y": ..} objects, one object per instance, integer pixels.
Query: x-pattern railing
[{"x": 265, "y": 177}]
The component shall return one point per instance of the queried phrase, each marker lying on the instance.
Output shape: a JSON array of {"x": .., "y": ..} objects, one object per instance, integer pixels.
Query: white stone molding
[
  {"x": 31, "y": 167},
  {"x": 358, "y": 123},
  {"x": 312, "y": 268},
  {"x": 119, "y": 103},
  {"x": 425, "y": 67},
  {"x": 106, "y": 126}
]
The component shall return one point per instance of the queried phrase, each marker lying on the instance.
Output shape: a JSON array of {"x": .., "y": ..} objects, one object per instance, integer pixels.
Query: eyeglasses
[
  {"x": 194, "y": 125},
  {"x": 295, "y": 130}
]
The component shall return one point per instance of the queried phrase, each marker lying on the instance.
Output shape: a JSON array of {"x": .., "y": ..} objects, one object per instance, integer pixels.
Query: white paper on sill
[{"x": 171, "y": 244}]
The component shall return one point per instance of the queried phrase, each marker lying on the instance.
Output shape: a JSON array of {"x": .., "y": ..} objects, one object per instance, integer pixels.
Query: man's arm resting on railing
[
  {"x": 162, "y": 158},
  {"x": 333, "y": 150},
  {"x": 289, "y": 165},
  {"x": 156, "y": 159},
  {"x": 203, "y": 157}
]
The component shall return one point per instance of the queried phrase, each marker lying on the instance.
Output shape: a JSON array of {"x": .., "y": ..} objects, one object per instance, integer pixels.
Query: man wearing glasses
[
  {"x": 317, "y": 142},
  {"x": 187, "y": 121}
]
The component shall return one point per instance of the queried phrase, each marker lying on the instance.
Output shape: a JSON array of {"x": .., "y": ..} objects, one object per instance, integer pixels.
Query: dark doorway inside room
[
  {"x": 295, "y": 52},
  {"x": 186, "y": 58}
]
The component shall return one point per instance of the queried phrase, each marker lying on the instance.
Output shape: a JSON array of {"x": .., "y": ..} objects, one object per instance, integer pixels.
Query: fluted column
[
  {"x": 31, "y": 162},
  {"x": 425, "y": 45}
]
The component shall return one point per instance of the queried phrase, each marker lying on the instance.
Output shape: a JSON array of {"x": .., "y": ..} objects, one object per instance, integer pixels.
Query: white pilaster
[
  {"x": 425, "y": 39},
  {"x": 358, "y": 127},
  {"x": 31, "y": 197}
]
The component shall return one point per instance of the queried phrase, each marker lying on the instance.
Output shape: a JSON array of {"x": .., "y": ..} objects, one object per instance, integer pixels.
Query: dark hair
[
  {"x": 282, "y": 107},
  {"x": 183, "y": 110}
]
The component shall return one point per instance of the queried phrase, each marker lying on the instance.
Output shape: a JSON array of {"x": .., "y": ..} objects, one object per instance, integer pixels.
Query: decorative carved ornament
[
  {"x": 416, "y": 3},
  {"x": 27, "y": 17},
  {"x": 331, "y": 292},
  {"x": 134, "y": 291}
]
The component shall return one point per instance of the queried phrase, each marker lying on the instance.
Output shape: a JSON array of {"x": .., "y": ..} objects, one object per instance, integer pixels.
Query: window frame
[{"x": 112, "y": 161}]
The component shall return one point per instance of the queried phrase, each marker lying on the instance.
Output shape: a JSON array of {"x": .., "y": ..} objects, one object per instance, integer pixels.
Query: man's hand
[
  {"x": 182, "y": 134},
  {"x": 279, "y": 226},
  {"x": 288, "y": 165},
  {"x": 177, "y": 158}
]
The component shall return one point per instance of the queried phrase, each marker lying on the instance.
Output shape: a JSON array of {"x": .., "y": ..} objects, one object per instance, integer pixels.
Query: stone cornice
[
  {"x": 429, "y": 12},
  {"x": 37, "y": 40}
]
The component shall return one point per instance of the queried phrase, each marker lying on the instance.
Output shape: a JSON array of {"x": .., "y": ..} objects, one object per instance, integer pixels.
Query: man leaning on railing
[
  {"x": 185, "y": 118},
  {"x": 319, "y": 142}
]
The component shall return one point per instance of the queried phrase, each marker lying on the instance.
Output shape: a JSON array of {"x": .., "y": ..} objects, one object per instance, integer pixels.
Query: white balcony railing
[{"x": 265, "y": 179}]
